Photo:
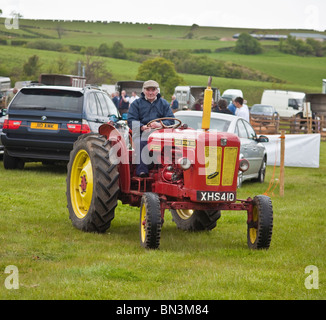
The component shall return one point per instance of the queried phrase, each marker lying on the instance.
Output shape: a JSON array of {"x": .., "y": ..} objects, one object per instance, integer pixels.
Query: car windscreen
[
  {"x": 111, "y": 108},
  {"x": 196, "y": 122},
  {"x": 262, "y": 109},
  {"x": 48, "y": 99}
]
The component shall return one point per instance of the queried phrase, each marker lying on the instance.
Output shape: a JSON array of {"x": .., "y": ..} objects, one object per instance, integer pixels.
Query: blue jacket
[
  {"x": 122, "y": 104},
  {"x": 175, "y": 104},
  {"x": 142, "y": 111},
  {"x": 232, "y": 108},
  {"x": 116, "y": 101}
]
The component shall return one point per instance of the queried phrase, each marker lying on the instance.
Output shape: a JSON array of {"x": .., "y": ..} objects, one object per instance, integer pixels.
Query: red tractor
[{"x": 194, "y": 175}]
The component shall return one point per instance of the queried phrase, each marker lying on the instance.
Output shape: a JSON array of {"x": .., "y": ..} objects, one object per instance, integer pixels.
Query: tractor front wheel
[
  {"x": 195, "y": 220},
  {"x": 150, "y": 221},
  {"x": 260, "y": 225},
  {"x": 92, "y": 184}
]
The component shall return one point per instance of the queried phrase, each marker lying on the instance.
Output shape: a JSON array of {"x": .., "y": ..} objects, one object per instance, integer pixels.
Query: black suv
[
  {"x": 2, "y": 119},
  {"x": 43, "y": 122}
]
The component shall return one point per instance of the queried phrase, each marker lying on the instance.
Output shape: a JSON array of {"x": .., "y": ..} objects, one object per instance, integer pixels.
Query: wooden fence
[{"x": 289, "y": 125}]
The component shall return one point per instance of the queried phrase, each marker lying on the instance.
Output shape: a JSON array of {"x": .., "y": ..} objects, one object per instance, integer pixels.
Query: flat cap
[{"x": 150, "y": 84}]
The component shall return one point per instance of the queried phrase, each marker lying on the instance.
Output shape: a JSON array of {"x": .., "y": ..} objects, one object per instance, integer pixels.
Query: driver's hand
[
  {"x": 155, "y": 125},
  {"x": 145, "y": 128}
]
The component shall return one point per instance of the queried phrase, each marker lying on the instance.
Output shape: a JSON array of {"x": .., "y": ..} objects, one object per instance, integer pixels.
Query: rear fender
[{"x": 113, "y": 135}]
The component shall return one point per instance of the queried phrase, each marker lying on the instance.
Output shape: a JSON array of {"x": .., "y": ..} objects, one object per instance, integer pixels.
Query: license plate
[
  {"x": 215, "y": 196},
  {"x": 44, "y": 126}
]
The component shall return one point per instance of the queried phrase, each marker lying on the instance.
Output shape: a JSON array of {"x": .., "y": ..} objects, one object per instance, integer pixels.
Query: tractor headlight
[
  {"x": 243, "y": 165},
  {"x": 184, "y": 163}
]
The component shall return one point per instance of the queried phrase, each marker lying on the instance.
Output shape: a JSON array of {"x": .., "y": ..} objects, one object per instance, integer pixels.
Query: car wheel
[
  {"x": 239, "y": 179},
  {"x": 262, "y": 172},
  {"x": 11, "y": 163}
]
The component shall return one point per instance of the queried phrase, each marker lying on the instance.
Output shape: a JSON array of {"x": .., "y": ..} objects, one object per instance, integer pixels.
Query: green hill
[{"x": 71, "y": 38}]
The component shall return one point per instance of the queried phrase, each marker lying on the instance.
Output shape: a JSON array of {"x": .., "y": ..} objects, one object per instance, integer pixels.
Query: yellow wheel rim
[
  {"x": 253, "y": 231},
  {"x": 81, "y": 184},
  {"x": 185, "y": 214},
  {"x": 143, "y": 224}
]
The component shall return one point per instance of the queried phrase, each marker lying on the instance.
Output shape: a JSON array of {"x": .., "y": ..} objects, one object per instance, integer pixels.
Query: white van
[
  {"x": 286, "y": 103},
  {"x": 5, "y": 84},
  {"x": 231, "y": 94}
]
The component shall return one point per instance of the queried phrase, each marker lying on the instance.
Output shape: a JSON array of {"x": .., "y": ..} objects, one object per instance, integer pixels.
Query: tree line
[
  {"x": 246, "y": 44},
  {"x": 309, "y": 47}
]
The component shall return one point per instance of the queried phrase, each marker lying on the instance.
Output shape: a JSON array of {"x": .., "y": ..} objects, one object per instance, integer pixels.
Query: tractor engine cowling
[{"x": 194, "y": 164}]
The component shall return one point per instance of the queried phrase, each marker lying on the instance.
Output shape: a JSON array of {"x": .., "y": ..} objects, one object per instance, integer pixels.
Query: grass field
[
  {"x": 57, "y": 261},
  {"x": 303, "y": 71}
]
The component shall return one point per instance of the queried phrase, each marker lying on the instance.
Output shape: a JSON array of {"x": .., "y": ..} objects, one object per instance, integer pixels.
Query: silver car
[{"x": 251, "y": 147}]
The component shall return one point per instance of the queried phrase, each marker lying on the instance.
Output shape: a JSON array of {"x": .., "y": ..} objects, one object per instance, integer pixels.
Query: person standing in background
[
  {"x": 242, "y": 109},
  {"x": 222, "y": 107},
  {"x": 133, "y": 97},
  {"x": 174, "y": 104},
  {"x": 232, "y": 107},
  {"x": 123, "y": 103},
  {"x": 116, "y": 98}
]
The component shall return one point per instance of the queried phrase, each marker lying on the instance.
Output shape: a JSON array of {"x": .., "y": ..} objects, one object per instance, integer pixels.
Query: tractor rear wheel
[
  {"x": 92, "y": 184},
  {"x": 195, "y": 220},
  {"x": 259, "y": 231},
  {"x": 150, "y": 221}
]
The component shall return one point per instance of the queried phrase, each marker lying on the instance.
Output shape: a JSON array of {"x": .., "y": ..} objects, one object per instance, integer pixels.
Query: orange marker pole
[{"x": 282, "y": 163}]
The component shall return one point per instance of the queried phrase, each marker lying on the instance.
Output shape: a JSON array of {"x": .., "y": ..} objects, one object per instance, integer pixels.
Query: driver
[{"x": 148, "y": 107}]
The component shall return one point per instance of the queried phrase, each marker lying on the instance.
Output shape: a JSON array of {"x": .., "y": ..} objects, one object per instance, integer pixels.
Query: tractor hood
[
  {"x": 213, "y": 158},
  {"x": 190, "y": 138}
]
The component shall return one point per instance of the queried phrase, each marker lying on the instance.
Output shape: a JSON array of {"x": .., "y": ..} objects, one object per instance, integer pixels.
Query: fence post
[
  {"x": 309, "y": 124},
  {"x": 321, "y": 127},
  {"x": 282, "y": 163}
]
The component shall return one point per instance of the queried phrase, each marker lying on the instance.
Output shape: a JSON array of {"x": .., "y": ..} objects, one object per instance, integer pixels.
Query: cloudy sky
[{"x": 289, "y": 14}]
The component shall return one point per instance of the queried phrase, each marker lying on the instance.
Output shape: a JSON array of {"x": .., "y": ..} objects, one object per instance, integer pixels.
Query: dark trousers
[{"x": 142, "y": 156}]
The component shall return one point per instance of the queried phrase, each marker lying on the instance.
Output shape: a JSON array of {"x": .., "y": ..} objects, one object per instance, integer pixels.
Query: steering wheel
[{"x": 174, "y": 126}]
